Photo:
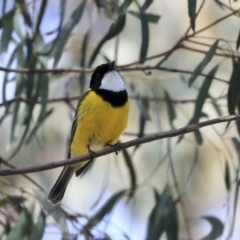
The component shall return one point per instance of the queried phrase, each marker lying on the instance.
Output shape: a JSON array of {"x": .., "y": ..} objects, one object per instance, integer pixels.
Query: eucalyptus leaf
[
  {"x": 6, "y": 18},
  {"x": 217, "y": 228},
  {"x": 203, "y": 95},
  {"x": 170, "y": 108},
  {"x": 105, "y": 209},
  {"x": 151, "y": 18},
  {"x": 227, "y": 176},
  {"x": 55, "y": 211},
  {"x": 144, "y": 37},
  {"x": 83, "y": 63},
  {"x": 238, "y": 41},
  {"x": 6, "y": 35},
  {"x": 132, "y": 173},
  {"x": 22, "y": 227},
  {"x": 208, "y": 57},
  {"x": 67, "y": 30},
  {"x": 163, "y": 218},
  {"x": 234, "y": 87},
  {"x": 113, "y": 31},
  {"x": 192, "y": 4},
  {"x": 38, "y": 228},
  {"x": 25, "y": 13},
  {"x": 123, "y": 8}
]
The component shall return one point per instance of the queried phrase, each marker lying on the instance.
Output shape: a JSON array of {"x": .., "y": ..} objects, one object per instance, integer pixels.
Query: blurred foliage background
[{"x": 180, "y": 63}]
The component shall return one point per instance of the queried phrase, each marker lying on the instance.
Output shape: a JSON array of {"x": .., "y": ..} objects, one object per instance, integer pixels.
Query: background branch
[{"x": 138, "y": 141}]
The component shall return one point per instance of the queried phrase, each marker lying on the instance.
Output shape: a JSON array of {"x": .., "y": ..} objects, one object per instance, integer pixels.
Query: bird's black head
[{"x": 99, "y": 73}]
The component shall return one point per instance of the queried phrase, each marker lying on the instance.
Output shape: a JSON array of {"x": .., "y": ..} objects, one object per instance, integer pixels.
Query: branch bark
[{"x": 145, "y": 139}]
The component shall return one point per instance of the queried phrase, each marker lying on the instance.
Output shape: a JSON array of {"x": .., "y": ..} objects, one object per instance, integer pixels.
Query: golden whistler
[{"x": 100, "y": 118}]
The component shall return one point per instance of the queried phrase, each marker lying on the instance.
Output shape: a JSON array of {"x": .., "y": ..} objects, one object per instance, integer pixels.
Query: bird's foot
[
  {"x": 117, "y": 147},
  {"x": 92, "y": 153}
]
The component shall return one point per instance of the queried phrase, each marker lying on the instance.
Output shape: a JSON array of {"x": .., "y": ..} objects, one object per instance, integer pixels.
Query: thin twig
[{"x": 145, "y": 139}]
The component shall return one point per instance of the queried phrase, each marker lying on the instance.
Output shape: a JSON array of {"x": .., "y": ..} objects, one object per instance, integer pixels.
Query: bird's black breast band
[{"x": 116, "y": 99}]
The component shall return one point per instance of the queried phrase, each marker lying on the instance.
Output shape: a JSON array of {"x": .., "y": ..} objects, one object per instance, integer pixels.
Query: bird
[{"x": 100, "y": 118}]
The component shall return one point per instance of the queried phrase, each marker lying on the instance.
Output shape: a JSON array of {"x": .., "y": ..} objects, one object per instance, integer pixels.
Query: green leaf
[
  {"x": 38, "y": 228},
  {"x": 203, "y": 95},
  {"x": 6, "y": 18},
  {"x": 40, "y": 16},
  {"x": 163, "y": 218},
  {"x": 132, "y": 173},
  {"x": 151, "y": 18},
  {"x": 208, "y": 57},
  {"x": 123, "y": 8},
  {"x": 192, "y": 4},
  {"x": 217, "y": 228},
  {"x": 113, "y": 31},
  {"x": 25, "y": 13},
  {"x": 106, "y": 209},
  {"x": 227, "y": 177},
  {"x": 146, "y": 5},
  {"x": 143, "y": 118},
  {"x": 216, "y": 107},
  {"x": 83, "y": 63},
  {"x": 6, "y": 35},
  {"x": 237, "y": 147},
  {"x": 22, "y": 227},
  {"x": 238, "y": 41},
  {"x": 66, "y": 31},
  {"x": 144, "y": 37},
  {"x": 55, "y": 211},
  {"x": 234, "y": 87},
  {"x": 170, "y": 107},
  {"x": 190, "y": 175}
]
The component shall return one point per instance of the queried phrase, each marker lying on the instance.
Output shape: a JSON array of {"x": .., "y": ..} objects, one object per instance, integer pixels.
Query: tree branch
[{"x": 145, "y": 139}]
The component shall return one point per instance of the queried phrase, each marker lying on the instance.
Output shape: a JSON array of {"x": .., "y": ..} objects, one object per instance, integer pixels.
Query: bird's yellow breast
[{"x": 98, "y": 123}]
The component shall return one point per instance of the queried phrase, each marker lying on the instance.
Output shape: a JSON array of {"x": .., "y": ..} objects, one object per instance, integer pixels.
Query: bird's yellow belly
[{"x": 99, "y": 124}]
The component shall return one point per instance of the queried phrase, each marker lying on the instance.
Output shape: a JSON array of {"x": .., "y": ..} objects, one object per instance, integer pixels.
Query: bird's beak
[{"x": 111, "y": 66}]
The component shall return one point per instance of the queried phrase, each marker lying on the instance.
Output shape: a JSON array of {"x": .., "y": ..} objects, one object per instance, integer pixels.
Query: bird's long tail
[{"x": 56, "y": 194}]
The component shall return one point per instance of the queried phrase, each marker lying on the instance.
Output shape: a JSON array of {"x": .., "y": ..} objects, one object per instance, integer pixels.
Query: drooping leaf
[
  {"x": 132, "y": 173},
  {"x": 55, "y": 211},
  {"x": 237, "y": 147},
  {"x": 170, "y": 108},
  {"x": 163, "y": 218},
  {"x": 216, "y": 107},
  {"x": 22, "y": 227},
  {"x": 192, "y": 4},
  {"x": 38, "y": 228},
  {"x": 83, "y": 63},
  {"x": 217, "y": 228},
  {"x": 25, "y": 13},
  {"x": 66, "y": 31},
  {"x": 202, "y": 95},
  {"x": 123, "y": 8},
  {"x": 6, "y": 34},
  {"x": 144, "y": 37},
  {"x": 114, "y": 30},
  {"x": 238, "y": 41},
  {"x": 105, "y": 209},
  {"x": 227, "y": 177},
  {"x": 144, "y": 116},
  {"x": 190, "y": 175},
  {"x": 234, "y": 87},
  {"x": 40, "y": 16},
  {"x": 208, "y": 57},
  {"x": 146, "y": 5},
  {"x": 151, "y": 18},
  {"x": 6, "y": 18}
]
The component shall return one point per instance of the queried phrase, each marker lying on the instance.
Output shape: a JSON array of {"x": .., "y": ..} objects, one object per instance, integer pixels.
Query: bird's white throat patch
[{"x": 112, "y": 81}]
